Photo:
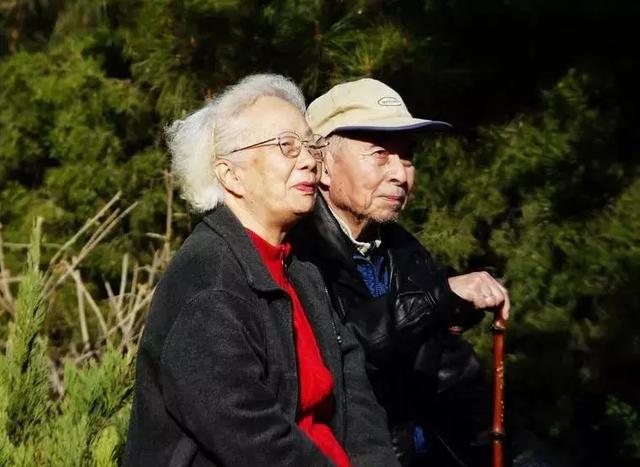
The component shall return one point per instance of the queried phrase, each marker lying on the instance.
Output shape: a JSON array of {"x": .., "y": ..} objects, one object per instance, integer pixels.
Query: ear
[
  {"x": 327, "y": 167},
  {"x": 226, "y": 174}
]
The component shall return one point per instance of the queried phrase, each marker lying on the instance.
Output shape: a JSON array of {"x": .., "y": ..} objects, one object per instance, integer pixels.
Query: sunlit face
[
  {"x": 371, "y": 175},
  {"x": 277, "y": 189}
]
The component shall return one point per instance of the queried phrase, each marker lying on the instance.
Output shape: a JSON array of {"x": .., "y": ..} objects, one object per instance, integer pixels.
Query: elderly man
[{"x": 386, "y": 287}]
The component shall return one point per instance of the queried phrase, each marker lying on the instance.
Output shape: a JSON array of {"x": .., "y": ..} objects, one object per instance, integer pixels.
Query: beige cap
[{"x": 365, "y": 104}]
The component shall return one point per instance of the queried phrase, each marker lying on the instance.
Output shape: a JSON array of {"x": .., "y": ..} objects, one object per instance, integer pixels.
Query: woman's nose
[{"x": 305, "y": 160}]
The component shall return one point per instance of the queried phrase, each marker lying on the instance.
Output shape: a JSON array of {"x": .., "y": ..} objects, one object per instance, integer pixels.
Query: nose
[
  {"x": 305, "y": 161},
  {"x": 396, "y": 171}
]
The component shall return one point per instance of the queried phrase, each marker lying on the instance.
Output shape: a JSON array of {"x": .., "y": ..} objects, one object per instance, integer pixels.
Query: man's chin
[{"x": 385, "y": 217}]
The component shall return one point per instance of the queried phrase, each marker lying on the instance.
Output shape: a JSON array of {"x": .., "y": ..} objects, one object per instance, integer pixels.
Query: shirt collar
[
  {"x": 362, "y": 247},
  {"x": 270, "y": 253}
]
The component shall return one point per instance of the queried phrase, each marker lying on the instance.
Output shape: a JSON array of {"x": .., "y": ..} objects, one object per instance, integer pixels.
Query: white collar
[{"x": 362, "y": 247}]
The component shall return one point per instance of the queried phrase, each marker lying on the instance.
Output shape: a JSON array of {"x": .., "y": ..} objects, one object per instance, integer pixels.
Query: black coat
[
  {"x": 420, "y": 373},
  {"x": 217, "y": 379}
]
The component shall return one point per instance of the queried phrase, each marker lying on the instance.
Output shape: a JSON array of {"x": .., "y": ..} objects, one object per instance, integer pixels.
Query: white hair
[
  {"x": 215, "y": 130},
  {"x": 335, "y": 144}
]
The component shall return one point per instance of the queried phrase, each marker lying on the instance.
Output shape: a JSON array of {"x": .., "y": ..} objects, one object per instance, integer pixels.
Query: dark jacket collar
[
  {"x": 222, "y": 221},
  {"x": 320, "y": 239},
  {"x": 338, "y": 246}
]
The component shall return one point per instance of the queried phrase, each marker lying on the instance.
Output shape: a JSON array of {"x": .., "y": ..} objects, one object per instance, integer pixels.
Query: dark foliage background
[{"x": 539, "y": 182}]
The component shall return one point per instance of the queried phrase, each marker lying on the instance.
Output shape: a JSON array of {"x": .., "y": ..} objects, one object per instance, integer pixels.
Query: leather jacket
[{"x": 413, "y": 362}]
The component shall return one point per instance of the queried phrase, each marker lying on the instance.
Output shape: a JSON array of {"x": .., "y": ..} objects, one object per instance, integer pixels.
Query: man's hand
[{"x": 482, "y": 290}]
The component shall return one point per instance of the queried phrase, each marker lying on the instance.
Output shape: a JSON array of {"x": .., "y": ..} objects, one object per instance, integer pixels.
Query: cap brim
[{"x": 413, "y": 124}]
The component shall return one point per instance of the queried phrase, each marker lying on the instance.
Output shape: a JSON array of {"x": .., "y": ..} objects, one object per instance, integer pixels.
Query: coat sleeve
[
  {"x": 435, "y": 282},
  {"x": 212, "y": 375},
  {"x": 367, "y": 438}
]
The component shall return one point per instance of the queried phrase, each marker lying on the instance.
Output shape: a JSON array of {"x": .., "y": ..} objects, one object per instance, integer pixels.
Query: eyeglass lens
[{"x": 291, "y": 145}]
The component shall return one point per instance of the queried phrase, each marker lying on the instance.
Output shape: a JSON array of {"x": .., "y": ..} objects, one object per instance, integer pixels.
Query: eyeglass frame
[{"x": 304, "y": 142}]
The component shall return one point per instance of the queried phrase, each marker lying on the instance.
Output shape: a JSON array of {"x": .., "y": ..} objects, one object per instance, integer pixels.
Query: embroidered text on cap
[{"x": 389, "y": 100}]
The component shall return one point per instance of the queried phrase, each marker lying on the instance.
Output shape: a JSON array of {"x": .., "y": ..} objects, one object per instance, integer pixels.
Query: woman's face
[{"x": 277, "y": 189}]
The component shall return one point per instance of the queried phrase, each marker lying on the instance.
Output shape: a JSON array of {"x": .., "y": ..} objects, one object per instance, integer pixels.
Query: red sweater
[{"x": 314, "y": 379}]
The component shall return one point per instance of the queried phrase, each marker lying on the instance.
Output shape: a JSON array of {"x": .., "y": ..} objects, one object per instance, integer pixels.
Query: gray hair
[
  {"x": 335, "y": 143},
  {"x": 215, "y": 130}
]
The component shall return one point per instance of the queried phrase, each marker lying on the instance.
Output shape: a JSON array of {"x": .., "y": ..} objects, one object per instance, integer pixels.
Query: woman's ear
[{"x": 226, "y": 174}]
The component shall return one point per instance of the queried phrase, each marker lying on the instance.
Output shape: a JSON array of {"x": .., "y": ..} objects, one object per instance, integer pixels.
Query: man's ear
[
  {"x": 327, "y": 166},
  {"x": 227, "y": 176}
]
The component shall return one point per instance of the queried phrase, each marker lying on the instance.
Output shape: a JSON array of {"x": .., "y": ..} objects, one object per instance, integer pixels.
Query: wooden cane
[{"x": 497, "y": 329}]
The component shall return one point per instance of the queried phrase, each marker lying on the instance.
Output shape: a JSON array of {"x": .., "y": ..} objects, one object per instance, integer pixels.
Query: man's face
[{"x": 370, "y": 174}]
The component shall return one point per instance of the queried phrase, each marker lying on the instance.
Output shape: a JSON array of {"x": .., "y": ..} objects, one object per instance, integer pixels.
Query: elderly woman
[{"x": 241, "y": 362}]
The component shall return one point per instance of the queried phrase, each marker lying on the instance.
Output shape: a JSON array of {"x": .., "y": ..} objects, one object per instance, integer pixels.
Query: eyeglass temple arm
[{"x": 251, "y": 146}]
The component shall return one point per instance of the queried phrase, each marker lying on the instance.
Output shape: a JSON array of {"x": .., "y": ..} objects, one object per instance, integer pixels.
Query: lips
[
  {"x": 306, "y": 187},
  {"x": 395, "y": 198}
]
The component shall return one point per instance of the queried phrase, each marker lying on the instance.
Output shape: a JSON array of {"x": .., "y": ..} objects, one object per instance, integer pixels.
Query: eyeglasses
[{"x": 291, "y": 143}]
